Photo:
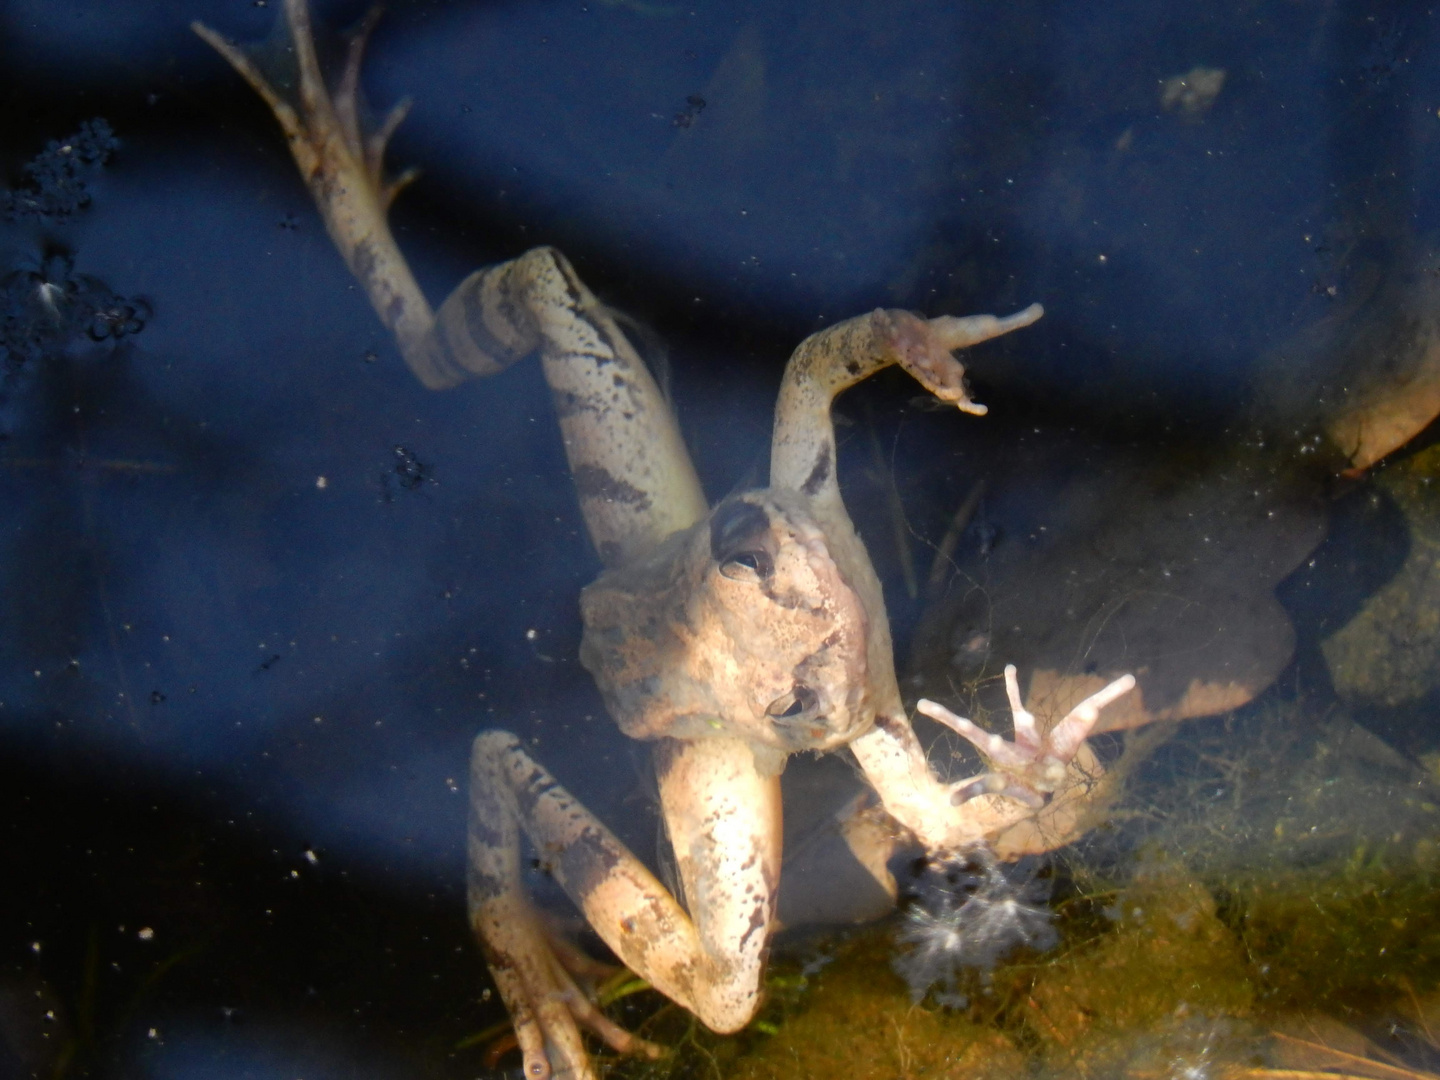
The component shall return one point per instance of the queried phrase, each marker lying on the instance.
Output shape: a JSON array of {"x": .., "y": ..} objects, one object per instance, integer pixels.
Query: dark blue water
[{"x": 259, "y": 579}]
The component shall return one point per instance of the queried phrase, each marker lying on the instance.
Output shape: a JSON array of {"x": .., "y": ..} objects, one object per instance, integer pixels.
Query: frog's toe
[
  {"x": 924, "y": 351},
  {"x": 924, "y": 348},
  {"x": 1023, "y": 771},
  {"x": 345, "y": 104},
  {"x": 611, "y": 1033},
  {"x": 321, "y": 123},
  {"x": 1066, "y": 736},
  {"x": 955, "y": 332},
  {"x": 993, "y": 783},
  {"x": 246, "y": 60},
  {"x": 548, "y": 1011},
  {"x": 546, "y": 1032},
  {"x": 1033, "y": 765}
]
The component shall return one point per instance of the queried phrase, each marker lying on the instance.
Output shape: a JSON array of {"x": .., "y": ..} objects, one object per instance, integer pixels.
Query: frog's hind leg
[
  {"x": 343, "y": 168},
  {"x": 634, "y": 477},
  {"x": 546, "y": 1006},
  {"x": 729, "y": 860}
]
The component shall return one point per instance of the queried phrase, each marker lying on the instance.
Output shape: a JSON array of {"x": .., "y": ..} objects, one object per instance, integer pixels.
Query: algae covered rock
[
  {"x": 1168, "y": 958},
  {"x": 858, "y": 1022},
  {"x": 1389, "y": 653}
]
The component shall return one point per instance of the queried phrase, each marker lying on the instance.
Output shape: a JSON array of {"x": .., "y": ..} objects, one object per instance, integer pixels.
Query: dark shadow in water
[
  {"x": 267, "y": 931},
  {"x": 220, "y": 932}
]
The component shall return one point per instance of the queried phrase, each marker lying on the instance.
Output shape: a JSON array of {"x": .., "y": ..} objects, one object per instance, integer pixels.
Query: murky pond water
[{"x": 262, "y": 588}]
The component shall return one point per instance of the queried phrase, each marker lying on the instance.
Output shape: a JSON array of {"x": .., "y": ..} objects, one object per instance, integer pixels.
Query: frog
[{"x": 728, "y": 638}]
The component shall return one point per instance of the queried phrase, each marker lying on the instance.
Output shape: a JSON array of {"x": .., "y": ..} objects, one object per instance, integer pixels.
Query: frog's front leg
[
  {"x": 1034, "y": 765},
  {"x": 802, "y": 447},
  {"x": 1036, "y": 778},
  {"x": 632, "y": 473},
  {"x": 1033, "y": 797},
  {"x": 722, "y": 814}
]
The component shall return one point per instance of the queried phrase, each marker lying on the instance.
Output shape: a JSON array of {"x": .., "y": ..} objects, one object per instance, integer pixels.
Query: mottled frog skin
[
  {"x": 742, "y": 625},
  {"x": 727, "y": 638}
]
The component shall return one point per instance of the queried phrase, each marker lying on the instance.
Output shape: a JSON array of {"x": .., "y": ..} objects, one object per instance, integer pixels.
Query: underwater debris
[
  {"x": 44, "y": 306},
  {"x": 970, "y": 913},
  {"x": 1389, "y": 51},
  {"x": 409, "y": 473},
  {"x": 694, "y": 106},
  {"x": 55, "y": 179},
  {"x": 1194, "y": 92},
  {"x": 410, "y": 470}
]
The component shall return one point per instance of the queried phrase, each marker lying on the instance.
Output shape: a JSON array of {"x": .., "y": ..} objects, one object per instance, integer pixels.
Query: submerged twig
[{"x": 945, "y": 550}]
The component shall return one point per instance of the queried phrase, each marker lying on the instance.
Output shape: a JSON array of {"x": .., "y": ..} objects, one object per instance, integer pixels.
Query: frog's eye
[
  {"x": 800, "y": 700},
  {"x": 752, "y": 566},
  {"x": 741, "y": 542}
]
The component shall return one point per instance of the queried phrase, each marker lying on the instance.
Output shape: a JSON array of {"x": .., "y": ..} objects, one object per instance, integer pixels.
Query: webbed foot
[
  {"x": 537, "y": 982},
  {"x": 344, "y": 168},
  {"x": 925, "y": 347},
  {"x": 323, "y": 128},
  {"x": 1033, "y": 766}
]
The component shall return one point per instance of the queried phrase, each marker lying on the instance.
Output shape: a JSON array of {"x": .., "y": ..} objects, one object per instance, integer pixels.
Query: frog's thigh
[
  {"x": 632, "y": 473},
  {"x": 722, "y": 814},
  {"x": 624, "y": 903}
]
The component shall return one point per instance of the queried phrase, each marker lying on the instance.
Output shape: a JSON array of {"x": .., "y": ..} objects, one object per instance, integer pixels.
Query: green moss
[
  {"x": 1166, "y": 960},
  {"x": 857, "y": 1020},
  {"x": 1348, "y": 940},
  {"x": 1389, "y": 653},
  {"x": 1157, "y": 969},
  {"x": 1288, "y": 871}
]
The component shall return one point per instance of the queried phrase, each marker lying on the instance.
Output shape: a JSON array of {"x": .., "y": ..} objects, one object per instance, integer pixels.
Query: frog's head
[
  {"x": 794, "y": 626},
  {"x": 742, "y": 625}
]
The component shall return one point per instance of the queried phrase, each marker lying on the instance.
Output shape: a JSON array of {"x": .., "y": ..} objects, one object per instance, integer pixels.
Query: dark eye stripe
[{"x": 737, "y": 526}]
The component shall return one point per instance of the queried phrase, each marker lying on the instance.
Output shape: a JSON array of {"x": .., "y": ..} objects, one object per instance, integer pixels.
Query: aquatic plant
[{"x": 968, "y": 913}]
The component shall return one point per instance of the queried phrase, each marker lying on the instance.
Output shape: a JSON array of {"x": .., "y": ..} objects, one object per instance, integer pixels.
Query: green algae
[
  {"x": 857, "y": 1020},
  {"x": 1349, "y": 941},
  {"x": 1149, "y": 966},
  {"x": 1167, "y": 955},
  {"x": 1388, "y": 654},
  {"x": 1168, "y": 968},
  {"x": 1287, "y": 878},
  {"x": 1274, "y": 870}
]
